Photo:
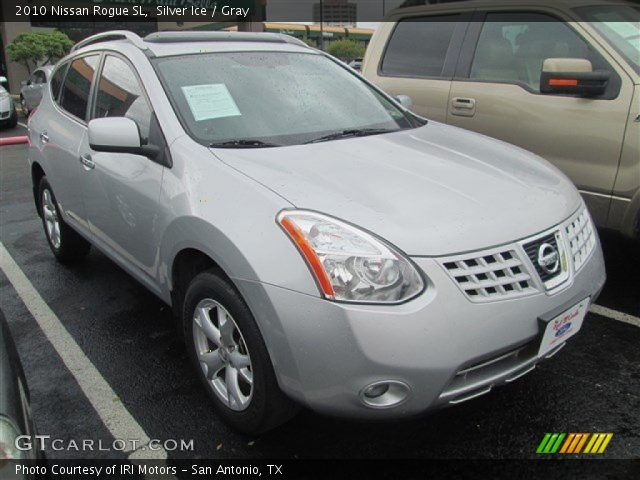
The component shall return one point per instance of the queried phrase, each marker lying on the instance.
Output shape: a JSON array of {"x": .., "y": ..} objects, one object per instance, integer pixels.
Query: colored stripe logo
[{"x": 574, "y": 443}]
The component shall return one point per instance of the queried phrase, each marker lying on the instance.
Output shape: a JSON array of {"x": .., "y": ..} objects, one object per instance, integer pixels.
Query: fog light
[{"x": 385, "y": 394}]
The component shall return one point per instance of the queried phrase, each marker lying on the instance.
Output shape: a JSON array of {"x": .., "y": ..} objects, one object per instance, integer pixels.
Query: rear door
[
  {"x": 121, "y": 190},
  {"x": 61, "y": 135},
  {"x": 418, "y": 59},
  {"x": 497, "y": 92}
]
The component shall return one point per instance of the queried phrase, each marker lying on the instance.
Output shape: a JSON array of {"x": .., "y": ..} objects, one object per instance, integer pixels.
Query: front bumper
[{"x": 444, "y": 347}]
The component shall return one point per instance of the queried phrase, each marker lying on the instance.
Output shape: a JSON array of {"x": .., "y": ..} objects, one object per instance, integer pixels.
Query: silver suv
[{"x": 319, "y": 244}]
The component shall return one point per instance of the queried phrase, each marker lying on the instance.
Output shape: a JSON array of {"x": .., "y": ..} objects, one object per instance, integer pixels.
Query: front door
[
  {"x": 501, "y": 98},
  {"x": 121, "y": 190}
]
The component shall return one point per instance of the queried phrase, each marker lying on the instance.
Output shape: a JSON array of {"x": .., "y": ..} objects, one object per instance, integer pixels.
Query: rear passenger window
[
  {"x": 418, "y": 46},
  {"x": 75, "y": 91},
  {"x": 120, "y": 95},
  {"x": 56, "y": 80}
]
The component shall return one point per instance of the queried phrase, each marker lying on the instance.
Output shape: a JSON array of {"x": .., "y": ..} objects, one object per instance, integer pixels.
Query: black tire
[
  {"x": 72, "y": 247},
  {"x": 268, "y": 406},
  {"x": 13, "y": 121}
]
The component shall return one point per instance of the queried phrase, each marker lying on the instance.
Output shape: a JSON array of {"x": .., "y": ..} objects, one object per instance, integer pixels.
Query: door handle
[
  {"x": 462, "y": 106},
  {"x": 86, "y": 162},
  {"x": 44, "y": 138}
]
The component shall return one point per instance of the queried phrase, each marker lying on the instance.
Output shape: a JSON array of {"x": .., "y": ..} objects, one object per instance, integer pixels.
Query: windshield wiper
[
  {"x": 352, "y": 132},
  {"x": 243, "y": 143}
]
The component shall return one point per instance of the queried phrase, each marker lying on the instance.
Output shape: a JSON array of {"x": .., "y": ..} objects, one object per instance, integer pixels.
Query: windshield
[
  {"x": 620, "y": 26},
  {"x": 273, "y": 98}
]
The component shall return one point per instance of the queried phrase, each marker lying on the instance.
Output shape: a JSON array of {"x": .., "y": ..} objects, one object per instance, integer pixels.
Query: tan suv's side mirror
[{"x": 572, "y": 76}]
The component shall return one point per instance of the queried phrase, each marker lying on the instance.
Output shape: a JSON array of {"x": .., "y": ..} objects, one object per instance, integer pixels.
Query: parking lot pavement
[
  {"x": 127, "y": 336},
  {"x": 15, "y": 132}
]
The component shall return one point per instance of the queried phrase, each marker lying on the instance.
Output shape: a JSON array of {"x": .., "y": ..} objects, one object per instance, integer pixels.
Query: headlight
[{"x": 349, "y": 264}]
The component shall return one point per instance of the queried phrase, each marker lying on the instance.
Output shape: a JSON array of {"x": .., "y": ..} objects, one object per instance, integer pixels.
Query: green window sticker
[{"x": 210, "y": 101}]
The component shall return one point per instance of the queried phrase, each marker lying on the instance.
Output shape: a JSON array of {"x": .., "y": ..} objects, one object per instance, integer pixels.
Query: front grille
[
  {"x": 490, "y": 275},
  {"x": 507, "y": 271},
  {"x": 532, "y": 249},
  {"x": 4, "y": 114},
  {"x": 581, "y": 238}
]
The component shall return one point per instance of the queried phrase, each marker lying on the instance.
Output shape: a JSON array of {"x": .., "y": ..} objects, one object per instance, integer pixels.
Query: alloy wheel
[
  {"x": 223, "y": 354},
  {"x": 51, "y": 218}
]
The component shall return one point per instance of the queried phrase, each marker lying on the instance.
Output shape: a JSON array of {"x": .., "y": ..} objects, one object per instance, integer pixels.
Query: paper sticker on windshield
[{"x": 210, "y": 101}]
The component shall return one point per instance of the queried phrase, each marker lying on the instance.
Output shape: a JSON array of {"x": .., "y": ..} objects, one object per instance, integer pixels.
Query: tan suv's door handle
[
  {"x": 462, "y": 106},
  {"x": 44, "y": 138}
]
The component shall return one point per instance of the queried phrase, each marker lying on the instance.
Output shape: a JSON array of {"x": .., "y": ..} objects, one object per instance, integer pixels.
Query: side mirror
[
  {"x": 405, "y": 101},
  {"x": 572, "y": 76},
  {"x": 118, "y": 135}
]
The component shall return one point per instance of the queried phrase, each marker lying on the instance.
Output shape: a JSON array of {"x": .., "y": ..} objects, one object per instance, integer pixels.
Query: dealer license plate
[{"x": 563, "y": 327}]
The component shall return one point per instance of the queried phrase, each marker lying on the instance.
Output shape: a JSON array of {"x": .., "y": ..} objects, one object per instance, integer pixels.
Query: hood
[{"x": 434, "y": 190}]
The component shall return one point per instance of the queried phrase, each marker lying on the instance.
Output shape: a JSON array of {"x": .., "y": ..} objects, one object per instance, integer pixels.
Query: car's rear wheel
[
  {"x": 229, "y": 354},
  {"x": 67, "y": 245}
]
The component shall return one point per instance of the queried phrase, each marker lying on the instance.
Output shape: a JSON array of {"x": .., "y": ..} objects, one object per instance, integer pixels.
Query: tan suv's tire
[
  {"x": 67, "y": 245},
  {"x": 230, "y": 357}
]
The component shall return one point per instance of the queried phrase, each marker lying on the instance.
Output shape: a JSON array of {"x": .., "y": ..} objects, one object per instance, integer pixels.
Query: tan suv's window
[
  {"x": 418, "y": 46},
  {"x": 513, "y": 46}
]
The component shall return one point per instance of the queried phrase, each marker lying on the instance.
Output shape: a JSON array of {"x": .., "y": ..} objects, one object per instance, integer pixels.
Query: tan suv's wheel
[
  {"x": 230, "y": 357},
  {"x": 65, "y": 243}
]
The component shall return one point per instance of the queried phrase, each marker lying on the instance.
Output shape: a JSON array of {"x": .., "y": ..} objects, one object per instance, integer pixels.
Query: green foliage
[
  {"x": 346, "y": 50},
  {"x": 311, "y": 42},
  {"x": 35, "y": 48}
]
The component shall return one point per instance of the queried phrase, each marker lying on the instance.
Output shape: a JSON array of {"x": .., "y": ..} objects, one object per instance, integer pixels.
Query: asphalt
[{"x": 593, "y": 385}]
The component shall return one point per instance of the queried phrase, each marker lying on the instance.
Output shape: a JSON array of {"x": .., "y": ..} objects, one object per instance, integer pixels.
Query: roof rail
[
  {"x": 112, "y": 35},
  {"x": 191, "y": 36}
]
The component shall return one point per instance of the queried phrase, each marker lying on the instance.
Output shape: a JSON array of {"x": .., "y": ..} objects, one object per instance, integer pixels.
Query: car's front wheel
[
  {"x": 67, "y": 245},
  {"x": 230, "y": 356}
]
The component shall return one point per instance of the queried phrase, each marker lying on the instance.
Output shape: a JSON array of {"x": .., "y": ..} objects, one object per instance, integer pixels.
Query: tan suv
[{"x": 560, "y": 79}]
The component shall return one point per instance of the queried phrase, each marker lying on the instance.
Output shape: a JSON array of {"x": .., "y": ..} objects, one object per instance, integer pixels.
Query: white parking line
[
  {"x": 112, "y": 412},
  {"x": 22, "y": 125},
  {"x": 615, "y": 315}
]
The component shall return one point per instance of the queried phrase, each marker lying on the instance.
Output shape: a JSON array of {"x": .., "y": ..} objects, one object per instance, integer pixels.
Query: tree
[
  {"x": 311, "y": 42},
  {"x": 38, "y": 48},
  {"x": 346, "y": 50}
]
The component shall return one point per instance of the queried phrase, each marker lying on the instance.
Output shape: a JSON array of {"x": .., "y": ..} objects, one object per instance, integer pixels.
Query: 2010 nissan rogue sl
[{"x": 319, "y": 243}]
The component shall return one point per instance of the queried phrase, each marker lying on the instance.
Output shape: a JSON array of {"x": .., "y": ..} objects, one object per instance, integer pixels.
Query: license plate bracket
[{"x": 561, "y": 324}]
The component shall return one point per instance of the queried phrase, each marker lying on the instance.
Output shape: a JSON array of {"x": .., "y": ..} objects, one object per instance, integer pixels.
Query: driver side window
[
  {"x": 513, "y": 46},
  {"x": 120, "y": 95}
]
